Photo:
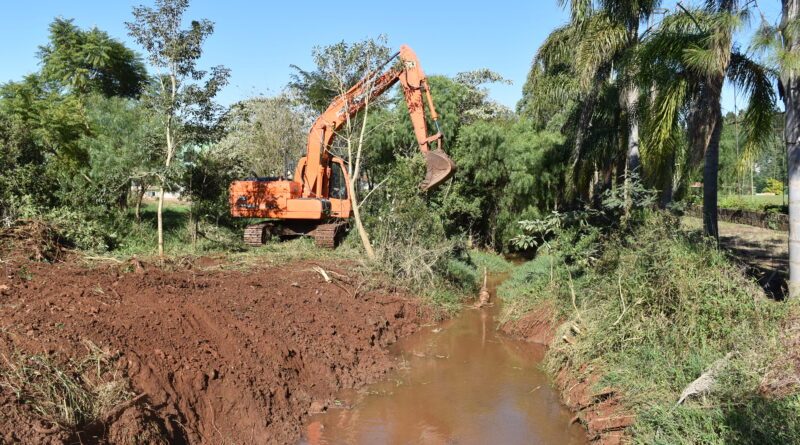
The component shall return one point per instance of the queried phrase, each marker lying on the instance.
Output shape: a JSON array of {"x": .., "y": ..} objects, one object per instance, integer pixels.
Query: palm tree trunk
[
  {"x": 705, "y": 129},
  {"x": 631, "y": 103},
  {"x": 791, "y": 99},
  {"x": 710, "y": 182}
]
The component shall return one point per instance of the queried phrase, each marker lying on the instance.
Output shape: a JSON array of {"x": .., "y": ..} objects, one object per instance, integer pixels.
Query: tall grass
[
  {"x": 654, "y": 308},
  {"x": 70, "y": 394}
]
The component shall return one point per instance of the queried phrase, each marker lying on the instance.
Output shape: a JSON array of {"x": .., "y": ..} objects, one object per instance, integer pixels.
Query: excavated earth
[{"x": 212, "y": 356}]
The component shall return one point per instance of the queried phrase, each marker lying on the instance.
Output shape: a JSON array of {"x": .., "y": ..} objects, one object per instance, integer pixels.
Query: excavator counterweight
[{"x": 316, "y": 201}]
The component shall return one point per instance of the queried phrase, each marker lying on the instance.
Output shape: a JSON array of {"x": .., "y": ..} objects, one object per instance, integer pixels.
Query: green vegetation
[
  {"x": 755, "y": 203},
  {"x": 654, "y": 306},
  {"x": 71, "y": 394},
  {"x": 493, "y": 262}
]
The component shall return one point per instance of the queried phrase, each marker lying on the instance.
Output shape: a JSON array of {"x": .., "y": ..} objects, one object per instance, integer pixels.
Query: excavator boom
[
  {"x": 344, "y": 107},
  {"x": 317, "y": 202}
]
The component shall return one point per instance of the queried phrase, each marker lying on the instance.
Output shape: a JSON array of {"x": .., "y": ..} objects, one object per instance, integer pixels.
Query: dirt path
[
  {"x": 764, "y": 248},
  {"x": 219, "y": 356}
]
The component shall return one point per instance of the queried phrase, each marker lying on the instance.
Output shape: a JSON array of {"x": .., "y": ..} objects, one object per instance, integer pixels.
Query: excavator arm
[{"x": 344, "y": 107}]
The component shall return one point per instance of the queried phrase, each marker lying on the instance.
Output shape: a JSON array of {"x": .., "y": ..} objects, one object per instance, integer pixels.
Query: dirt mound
[
  {"x": 216, "y": 356},
  {"x": 537, "y": 326},
  {"x": 31, "y": 239}
]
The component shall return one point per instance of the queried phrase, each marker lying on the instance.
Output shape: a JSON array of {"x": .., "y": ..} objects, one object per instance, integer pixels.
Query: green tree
[
  {"x": 505, "y": 174},
  {"x": 177, "y": 97},
  {"x": 268, "y": 133},
  {"x": 55, "y": 122},
  {"x": 335, "y": 65},
  {"x": 121, "y": 151},
  {"x": 687, "y": 62},
  {"x": 90, "y": 61},
  {"x": 588, "y": 69}
]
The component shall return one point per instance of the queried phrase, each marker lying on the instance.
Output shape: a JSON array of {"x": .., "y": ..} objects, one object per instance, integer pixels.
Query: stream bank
[
  {"x": 598, "y": 410},
  {"x": 458, "y": 382},
  {"x": 196, "y": 353}
]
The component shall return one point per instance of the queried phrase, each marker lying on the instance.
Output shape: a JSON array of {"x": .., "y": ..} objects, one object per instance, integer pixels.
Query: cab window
[{"x": 338, "y": 186}]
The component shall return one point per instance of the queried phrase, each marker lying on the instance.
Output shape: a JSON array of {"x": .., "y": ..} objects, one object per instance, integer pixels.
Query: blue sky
[{"x": 259, "y": 40}]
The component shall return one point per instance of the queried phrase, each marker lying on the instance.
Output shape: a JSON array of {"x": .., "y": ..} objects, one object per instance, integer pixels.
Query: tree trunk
[
  {"x": 631, "y": 103},
  {"x": 710, "y": 184},
  {"x": 139, "y": 197},
  {"x": 705, "y": 129},
  {"x": 122, "y": 198},
  {"x": 168, "y": 161},
  {"x": 362, "y": 232},
  {"x": 669, "y": 184},
  {"x": 791, "y": 99},
  {"x": 160, "y": 220}
]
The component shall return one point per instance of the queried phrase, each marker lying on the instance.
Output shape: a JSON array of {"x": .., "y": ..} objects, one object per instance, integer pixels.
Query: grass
[
  {"x": 70, "y": 394},
  {"x": 493, "y": 262},
  {"x": 655, "y": 307},
  {"x": 445, "y": 289},
  {"x": 755, "y": 203}
]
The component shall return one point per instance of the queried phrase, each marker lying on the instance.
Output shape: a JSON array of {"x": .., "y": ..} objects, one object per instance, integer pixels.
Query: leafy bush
[
  {"x": 83, "y": 230},
  {"x": 409, "y": 237},
  {"x": 754, "y": 203},
  {"x": 773, "y": 186}
]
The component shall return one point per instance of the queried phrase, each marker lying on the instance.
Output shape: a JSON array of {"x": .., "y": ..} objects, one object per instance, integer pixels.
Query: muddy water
[{"x": 458, "y": 383}]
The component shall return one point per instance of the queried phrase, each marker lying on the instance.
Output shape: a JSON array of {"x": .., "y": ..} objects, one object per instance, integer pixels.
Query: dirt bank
[
  {"x": 598, "y": 409},
  {"x": 214, "y": 356}
]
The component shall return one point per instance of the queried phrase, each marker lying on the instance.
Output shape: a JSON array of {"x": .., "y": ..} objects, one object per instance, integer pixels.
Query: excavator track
[
  {"x": 328, "y": 235},
  {"x": 255, "y": 234},
  {"x": 325, "y": 235}
]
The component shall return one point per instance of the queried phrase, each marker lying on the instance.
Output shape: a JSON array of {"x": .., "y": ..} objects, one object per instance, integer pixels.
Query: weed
[
  {"x": 24, "y": 272},
  {"x": 70, "y": 394}
]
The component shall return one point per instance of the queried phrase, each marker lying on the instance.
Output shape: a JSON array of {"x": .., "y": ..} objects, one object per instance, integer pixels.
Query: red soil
[{"x": 217, "y": 356}]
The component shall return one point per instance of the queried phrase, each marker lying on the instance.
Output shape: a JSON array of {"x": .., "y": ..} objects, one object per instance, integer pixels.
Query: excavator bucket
[{"x": 439, "y": 168}]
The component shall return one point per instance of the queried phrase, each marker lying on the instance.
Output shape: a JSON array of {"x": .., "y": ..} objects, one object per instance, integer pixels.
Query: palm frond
[
  {"x": 603, "y": 40},
  {"x": 579, "y": 10},
  {"x": 755, "y": 81}
]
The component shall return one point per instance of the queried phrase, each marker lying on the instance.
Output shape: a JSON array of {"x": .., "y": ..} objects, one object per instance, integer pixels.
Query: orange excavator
[{"x": 316, "y": 201}]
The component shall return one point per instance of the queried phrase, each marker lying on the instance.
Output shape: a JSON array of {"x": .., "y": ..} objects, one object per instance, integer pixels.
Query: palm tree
[
  {"x": 782, "y": 45},
  {"x": 591, "y": 63},
  {"x": 688, "y": 60}
]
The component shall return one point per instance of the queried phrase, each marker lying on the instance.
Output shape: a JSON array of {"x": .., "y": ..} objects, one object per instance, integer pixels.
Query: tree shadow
[
  {"x": 764, "y": 420},
  {"x": 174, "y": 218}
]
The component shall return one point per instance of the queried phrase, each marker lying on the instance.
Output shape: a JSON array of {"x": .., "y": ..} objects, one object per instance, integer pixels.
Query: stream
[{"x": 462, "y": 382}]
